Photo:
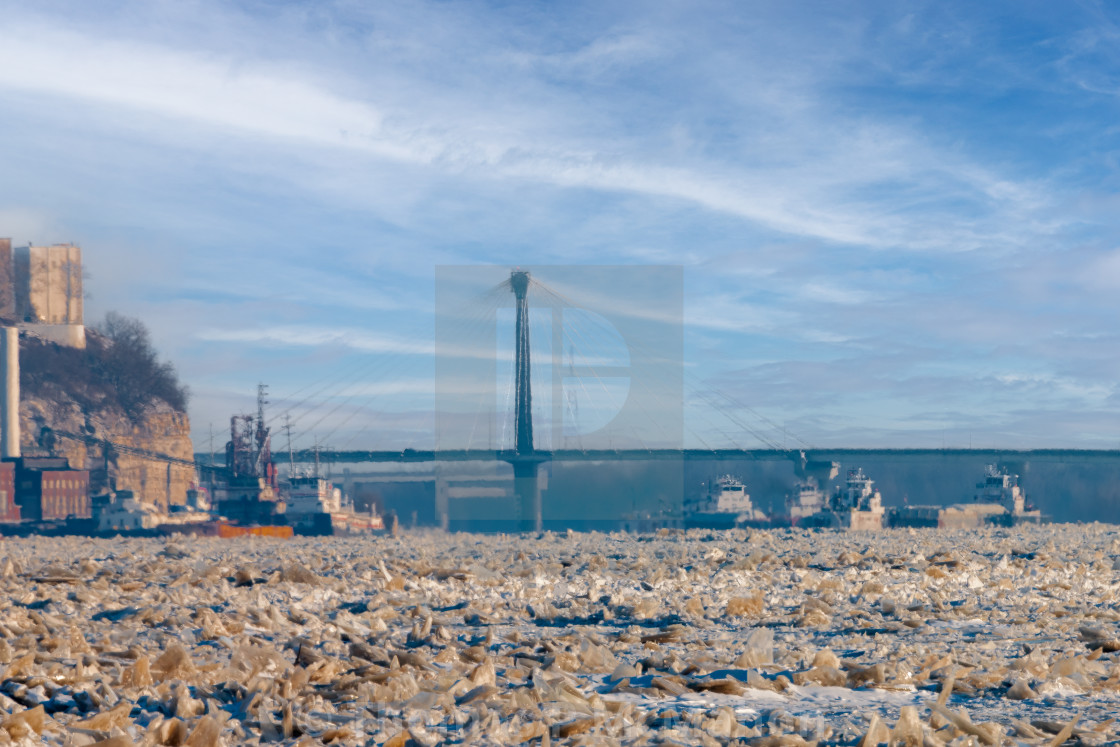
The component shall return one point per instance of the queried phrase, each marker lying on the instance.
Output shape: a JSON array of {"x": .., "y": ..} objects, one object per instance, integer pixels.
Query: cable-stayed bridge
[
  {"x": 526, "y": 375},
  {"x": 519, "y": 375}
]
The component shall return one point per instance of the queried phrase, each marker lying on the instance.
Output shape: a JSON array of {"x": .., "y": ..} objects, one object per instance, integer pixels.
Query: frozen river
[{"x": 913, "y": 636}]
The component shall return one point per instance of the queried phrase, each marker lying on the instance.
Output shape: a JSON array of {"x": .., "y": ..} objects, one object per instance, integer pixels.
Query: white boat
[
  {"x": 725, "y": 505},
  {"x": 315, "y": 506},
  {"x": 806, "y": 500},
  {"x": 1002, "y": 488},
  {"x": 999, "y": 500},
  {"x": 856, "y": 504},
  {"x": 310, "y": 494},
  {"x": 122, "y": 512}
]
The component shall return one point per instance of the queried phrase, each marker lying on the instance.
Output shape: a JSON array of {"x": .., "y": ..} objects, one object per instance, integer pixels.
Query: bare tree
[{"x": 129, "y": 363}]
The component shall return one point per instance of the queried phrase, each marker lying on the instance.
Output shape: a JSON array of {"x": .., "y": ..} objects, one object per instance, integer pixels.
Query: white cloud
[
  {"x": 817, "y": 165},
  {"x": 834, "y": 294},
  {"x": 312, "y": 336},
  {"x": 191, "y": 87}
]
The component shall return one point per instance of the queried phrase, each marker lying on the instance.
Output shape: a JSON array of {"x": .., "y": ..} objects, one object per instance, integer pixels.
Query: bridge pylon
[{"x": 525, "y": 459}]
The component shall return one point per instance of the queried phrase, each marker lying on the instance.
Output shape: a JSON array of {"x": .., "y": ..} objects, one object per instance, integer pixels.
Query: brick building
[
  {"x": 47, "y": 489},
  {"x": 9, "y": 511}
]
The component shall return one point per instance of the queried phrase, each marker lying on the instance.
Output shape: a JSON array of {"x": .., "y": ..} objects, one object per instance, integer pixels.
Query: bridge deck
[{"x": 844, "y": 455}]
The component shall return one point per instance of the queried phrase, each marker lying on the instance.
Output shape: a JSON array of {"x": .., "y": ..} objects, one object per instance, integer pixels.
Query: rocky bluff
[{"x": 114, "y": 390}]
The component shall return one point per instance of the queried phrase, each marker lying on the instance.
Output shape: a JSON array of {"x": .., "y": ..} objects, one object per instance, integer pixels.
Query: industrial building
[
  {"x": 41, "y": 291},
  {"x": 48, "y": 490},
  {"x": 32, "y": 489},
  {"x": 9, "y": 510}
]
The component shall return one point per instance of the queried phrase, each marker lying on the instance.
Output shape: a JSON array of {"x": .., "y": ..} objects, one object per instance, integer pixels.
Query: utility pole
[
  {"x": 210, "y": 484},
  {"x": 291, "y": 454},
  {"x": 262, "y": 393}
]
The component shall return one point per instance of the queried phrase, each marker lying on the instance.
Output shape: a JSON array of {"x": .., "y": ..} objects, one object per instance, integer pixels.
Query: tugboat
[
  {"x": 247, "y": 495},
  {"x": 999, "y": 500},
  {"x": 855, "y": 505},
  {"x": 316, "y": 507},
  {"x": 1000, "y": 487},
  {"x": 1003, "y": 489},
  {"x": 806, "y": 501},
  {"x": 726, "y": 505}
]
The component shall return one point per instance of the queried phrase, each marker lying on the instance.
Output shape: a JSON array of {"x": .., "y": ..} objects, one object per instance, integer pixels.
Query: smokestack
[{"x": 9, "y": 402}]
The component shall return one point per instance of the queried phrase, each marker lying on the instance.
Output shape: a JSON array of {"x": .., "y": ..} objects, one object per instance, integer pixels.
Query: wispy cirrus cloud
[
  {"x": 828, "y": 175},
  {"x": 312, "y": 336}
]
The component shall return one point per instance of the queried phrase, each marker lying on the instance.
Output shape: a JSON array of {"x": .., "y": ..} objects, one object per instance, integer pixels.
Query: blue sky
[{"x": 897, "y": 221}]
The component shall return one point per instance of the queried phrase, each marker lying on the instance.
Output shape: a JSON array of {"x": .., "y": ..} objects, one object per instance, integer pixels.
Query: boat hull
[{"x": 714, "y": 520}]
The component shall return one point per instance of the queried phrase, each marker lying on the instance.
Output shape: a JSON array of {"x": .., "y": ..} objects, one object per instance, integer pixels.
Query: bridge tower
[
  {"x": 519, "y": 281},
  {"x": 525, "y": 459}
]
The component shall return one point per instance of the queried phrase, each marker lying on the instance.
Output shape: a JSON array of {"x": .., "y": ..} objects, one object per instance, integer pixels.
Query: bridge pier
[
  {"x": 443, "y": 503},
  {"x": 528, "y": 483},
  {"x": 528, "y": 491}
]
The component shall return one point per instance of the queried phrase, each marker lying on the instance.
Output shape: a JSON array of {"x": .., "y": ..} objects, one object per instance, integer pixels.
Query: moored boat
[
  {"x": 725, "y": 505},
  {"x": 316, "y": 507},
  {"x": 854, "y": 505}
]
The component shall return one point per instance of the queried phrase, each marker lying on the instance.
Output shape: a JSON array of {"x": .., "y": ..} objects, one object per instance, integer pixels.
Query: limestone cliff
[{"x": 72, "y": 391}]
